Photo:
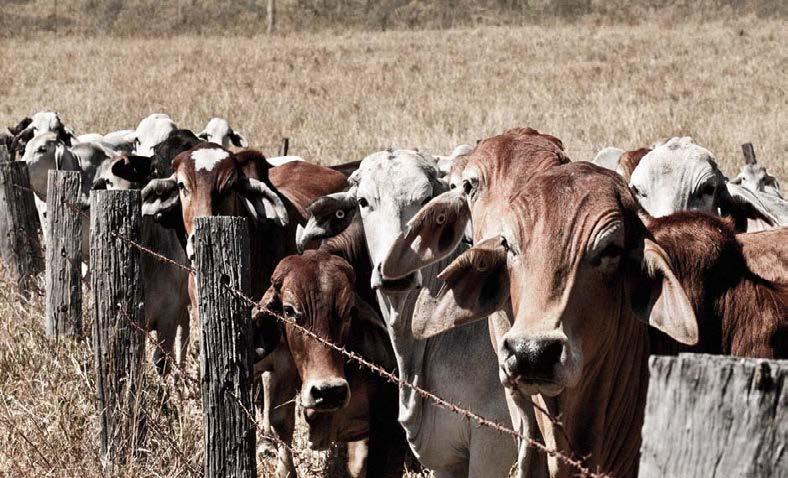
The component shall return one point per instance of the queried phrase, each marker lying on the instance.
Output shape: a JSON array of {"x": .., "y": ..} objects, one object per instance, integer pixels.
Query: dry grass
[{"x": 340, "y": 97}]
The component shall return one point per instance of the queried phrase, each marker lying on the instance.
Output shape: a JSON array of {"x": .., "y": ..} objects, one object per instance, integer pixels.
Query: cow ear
[
  {"x": 266, "y": 329},
  {"x": 661, "y": 301},
  {"x": 203, "y": 135},
  {"x": 741, "y": 204},
  {"x": 433, "y": 233},
  {"x": 134, "y": 169},
  {"x": 262, "y": 200},
  {"x": 328, "y": 216},
  {"x": 476, "y": 285},
  {"x": 159, "y": 197},
  {"x": 238, "y": 139}
]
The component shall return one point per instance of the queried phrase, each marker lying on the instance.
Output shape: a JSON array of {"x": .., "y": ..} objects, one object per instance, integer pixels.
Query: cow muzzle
[
  {"x": 407, "y": 283},
  {"x": 532, "y": 365},
  {"x": 325, "y": 395}
]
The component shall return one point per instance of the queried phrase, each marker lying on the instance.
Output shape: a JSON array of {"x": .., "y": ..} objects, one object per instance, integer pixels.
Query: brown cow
[
  {"x": 342, "y": 402},
  {"x": 580, "y": 269},
  {"x": 208, "y": 180},
  {"x": 741, "y": 312}
]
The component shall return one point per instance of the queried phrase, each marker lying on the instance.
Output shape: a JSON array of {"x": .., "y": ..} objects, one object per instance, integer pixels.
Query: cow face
[
  {"x": 581, "y": 269},
  {"x": 210, "y": 181},
  {"x": 123, "y": 173},
  {"x": 755, "y": 178},
  {"x": 678, "y": 175},
  {"x": 151, "y": 131},
  {"x": 390, "y": 188},
  {"x": 314, "y": 290},
  {"x": 43, "y": 153}
]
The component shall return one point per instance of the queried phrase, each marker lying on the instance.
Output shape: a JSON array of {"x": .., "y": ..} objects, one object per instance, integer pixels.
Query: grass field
[{"x": 340, "y": 97}]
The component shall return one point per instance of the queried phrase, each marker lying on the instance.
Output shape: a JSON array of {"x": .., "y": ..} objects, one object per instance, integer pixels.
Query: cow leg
[
  {"x": 184, "y": 327},
  {"x": 163, "y": 353},
  {"x": 357, "y": 453},
  {"x": 278, "y": 419}
]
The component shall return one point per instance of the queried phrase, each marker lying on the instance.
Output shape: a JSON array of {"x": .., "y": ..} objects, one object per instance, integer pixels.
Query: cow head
[
  {"x": 218, "y": 131},
  {"x": 47, "y": 152},
  {"x": 41, "y": 123},
  {"x": 387, "y": 190},
  {"x": 580, "y": 268},
  {"x": 207, "y": 181},
  {"x": 755, "y": 178},
  {"x": 151, "y": 131},
  {"x": 477, "y": 201},
  {"x": 681, "y": 175},
  {"x": 315, "y": 290},
  {"x": 164, "y": 153}
]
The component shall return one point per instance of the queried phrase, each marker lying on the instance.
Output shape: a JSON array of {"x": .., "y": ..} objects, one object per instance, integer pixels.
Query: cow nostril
[
  {"x": 532, "y": 359},
  {"x": 330, "y": 395}
]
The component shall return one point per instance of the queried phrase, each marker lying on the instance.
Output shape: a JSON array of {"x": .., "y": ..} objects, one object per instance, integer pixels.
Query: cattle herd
[{"x": 503, "y": 277}]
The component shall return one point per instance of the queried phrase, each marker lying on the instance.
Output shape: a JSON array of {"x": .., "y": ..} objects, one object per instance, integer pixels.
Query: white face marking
[{"x": 208, "y": 158}]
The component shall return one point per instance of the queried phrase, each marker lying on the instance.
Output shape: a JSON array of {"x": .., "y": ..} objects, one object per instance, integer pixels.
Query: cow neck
[
  {"x": 410, "y": 353},
  {"x": 603, "y": 415}
]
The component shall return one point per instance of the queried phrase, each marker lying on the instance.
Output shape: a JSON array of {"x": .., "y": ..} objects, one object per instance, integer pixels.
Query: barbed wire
[{"x": 389, "y": 376}]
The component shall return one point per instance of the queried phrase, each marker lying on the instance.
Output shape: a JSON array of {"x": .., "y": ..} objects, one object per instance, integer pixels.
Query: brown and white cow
[
  {"x": 342, "y": 402},
  {"x": 208, "y": 180}
]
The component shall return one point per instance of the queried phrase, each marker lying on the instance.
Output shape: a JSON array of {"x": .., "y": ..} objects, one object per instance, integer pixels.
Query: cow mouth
[{"x": 530, "y": 385}]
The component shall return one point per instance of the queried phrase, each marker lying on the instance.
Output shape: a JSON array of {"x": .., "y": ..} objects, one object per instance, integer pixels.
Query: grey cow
[{"x": 387, "y": 190}]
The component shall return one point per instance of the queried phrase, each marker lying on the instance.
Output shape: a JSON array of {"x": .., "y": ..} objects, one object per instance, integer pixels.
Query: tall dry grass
[{"x": 340, "y": 97}]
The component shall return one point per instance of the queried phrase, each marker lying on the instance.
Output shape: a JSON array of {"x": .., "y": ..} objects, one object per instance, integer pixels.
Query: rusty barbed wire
[{"x": 389, "y": 376}]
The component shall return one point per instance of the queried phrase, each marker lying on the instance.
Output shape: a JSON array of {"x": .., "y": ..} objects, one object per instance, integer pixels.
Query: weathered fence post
[
  {"x": 5, "y": 156},
  {"x": 271, "y": 22},
  {"x": 222, "y": 263},
  {"x": 64, "y": 255},
  {"x": 749, "y": 153},
  {"x": 20, "y": 248},
  {"x": 118, "y": 321},
  {"x": 711, "y": 415},
  {"x": 284, "y": 146}
]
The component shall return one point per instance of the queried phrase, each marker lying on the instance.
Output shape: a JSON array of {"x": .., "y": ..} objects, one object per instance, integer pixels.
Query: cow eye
[
  {"x": 467, "y": 187},
  {"x": 340, "y": 214},
  {"x": 608, "y": 255},
  {"x": 42, "y": 149},
  {"x": 289, "y": 312},
  {"x": 638, "y": 192},
  {"x": 706, "y": 190},
  {"x": 362, "y": 202}
]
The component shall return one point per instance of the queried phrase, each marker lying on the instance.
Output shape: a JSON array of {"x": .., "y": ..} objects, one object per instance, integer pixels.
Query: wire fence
[{"x": 571, "y": 459}]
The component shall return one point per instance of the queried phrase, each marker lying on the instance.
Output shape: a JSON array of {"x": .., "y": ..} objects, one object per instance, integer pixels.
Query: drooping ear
[
  {"x": 134, "y": 169},
  {"x": 433, "y": 233},
  {"x": 238, "y": 139},
  {"x": 476, "y": 285},
  {"x": 262, "y": 201},
  {"x": 661, "y": 301},
  {"x": 159, "y": 197},
  {"x": 741, "y": 204},
  {"x": 203, "y": 135},
  {"x": 66, "y": 135},
  {"x": 369, "y": 336},
  {"x": 328, "y": 216},
  {"x": 20, "y": 140},
  {"x": 266, "y": 329}
]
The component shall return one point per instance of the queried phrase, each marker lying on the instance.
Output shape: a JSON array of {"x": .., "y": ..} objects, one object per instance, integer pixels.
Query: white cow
[
  {"x": 151, "y": 131},
  {"x": 41, "y": 123},
  {"x": 218, "y": 131},
  {"x": 387, "y": 190},
  {"x": 681, "y": 175},
  {"x": 766, "y": 187}
]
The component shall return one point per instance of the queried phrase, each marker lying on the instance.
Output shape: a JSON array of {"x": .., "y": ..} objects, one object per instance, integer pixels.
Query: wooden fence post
[
  {"x": 64, "y": 255},
  {"x": 5, "y": 156},
  {"x": 222, "y": 265},
  {"x": 712, "y": 415},
  {"x": 749, "y": 153},
  {"x": 271, "y": 22},
  {"x": 118, "y": 321},
  {"x": 20, "y": 248},
  {"x": 284, "y": 146}
]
